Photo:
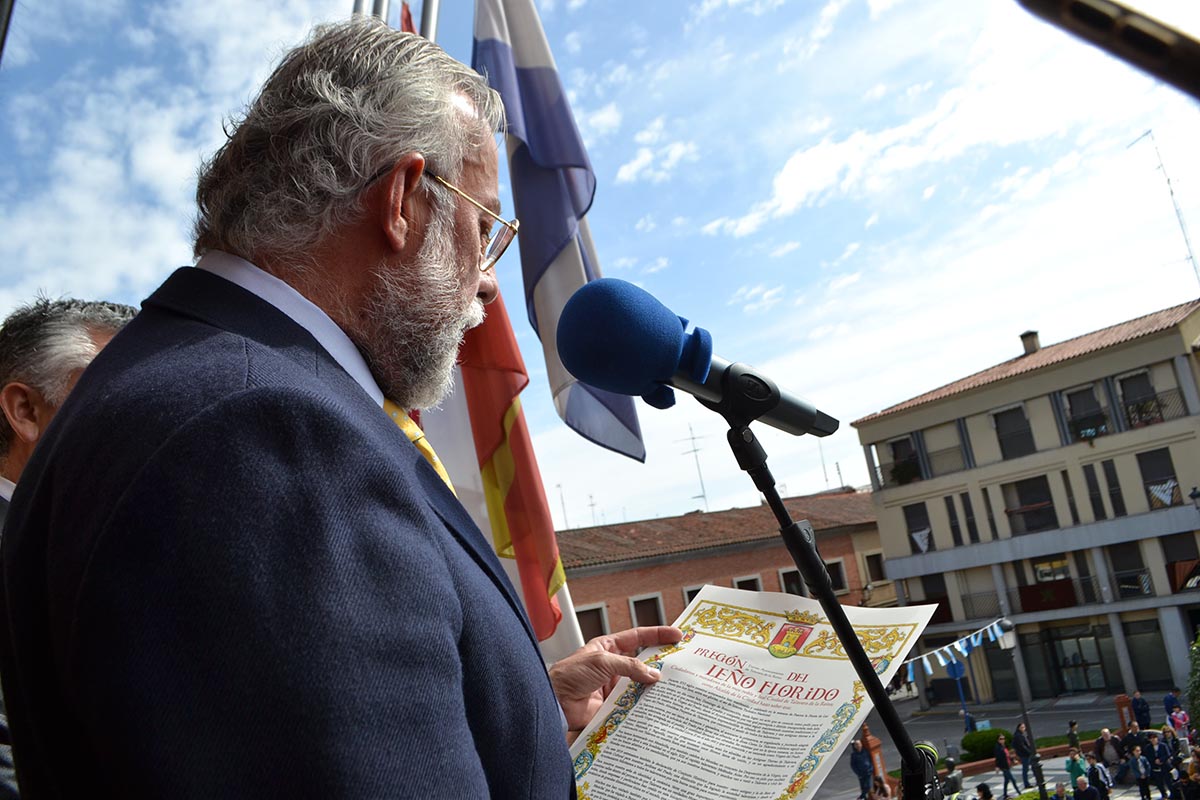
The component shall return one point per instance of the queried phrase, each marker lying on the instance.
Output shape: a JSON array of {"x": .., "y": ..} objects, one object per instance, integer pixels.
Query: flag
[
  {"x": 493, "y": 375},
  {"x": 553, "y": 186},
  {"x": 406, "y": 20}
]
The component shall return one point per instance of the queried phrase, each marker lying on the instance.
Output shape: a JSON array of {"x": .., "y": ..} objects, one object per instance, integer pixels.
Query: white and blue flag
[{"x": 553, "y": 186}]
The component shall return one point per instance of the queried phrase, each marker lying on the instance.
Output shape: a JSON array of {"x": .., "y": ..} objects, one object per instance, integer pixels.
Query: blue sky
[{"x": 864, "y": 198}]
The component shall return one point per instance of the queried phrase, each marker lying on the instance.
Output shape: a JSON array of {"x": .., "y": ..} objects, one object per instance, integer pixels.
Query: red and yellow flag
[{"x": 493, "y": 375}]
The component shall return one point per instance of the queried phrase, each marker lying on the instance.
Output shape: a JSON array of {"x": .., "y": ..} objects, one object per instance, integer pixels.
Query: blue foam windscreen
[{"x": 618, "y": 337}]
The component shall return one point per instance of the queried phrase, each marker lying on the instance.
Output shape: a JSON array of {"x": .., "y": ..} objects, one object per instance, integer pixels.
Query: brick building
[{"x": 645, "y": 573}]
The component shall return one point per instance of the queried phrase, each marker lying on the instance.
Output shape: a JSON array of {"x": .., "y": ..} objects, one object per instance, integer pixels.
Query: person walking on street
[
  {"x": 1097, "y": 775},
  {"x": 1073, "y": 735},
  {"x": 880, "y": 789},
  {"x": 952, "y": 786},
  {"x": 1140, "y": 767},
  {"x": 1023, "y": 747},
  {"x": 983, "y": 792},
  {"x": 1002, "y": 765},
  {"x": 860, "y": 764},
  {"x": 1173, "y": 742},
  {"x": 1141, "y": 710}
]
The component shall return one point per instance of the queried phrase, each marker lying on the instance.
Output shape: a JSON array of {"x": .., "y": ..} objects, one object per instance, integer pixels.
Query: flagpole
[{"x": 429, "y": 19}]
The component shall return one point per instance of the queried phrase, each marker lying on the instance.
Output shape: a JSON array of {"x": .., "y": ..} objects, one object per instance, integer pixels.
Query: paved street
[{"x": 943, "y": 727}]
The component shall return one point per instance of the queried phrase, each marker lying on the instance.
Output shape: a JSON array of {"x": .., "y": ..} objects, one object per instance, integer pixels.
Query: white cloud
[
  {"x": 573, "y": 41},
  {"x": 645, "y": 224},
  {"x": 785, "y": 248},
  {"x": 872, "y": 221},
  {"x": 755, "y": 299},
  {"x": 806, "y": 45},
  {"x": 842, "y": 281},
  {"x": 575, "y": 5},
  {"x": 624, "y": 263},
  {"x": 876, "y": 92},
  {"x": 652, "y": 133},
  {"x": 657, "y": 165},
  {"x": 657, "y": 265},
  {"x": 754, "y": 7},
  {"x": 928, "y": 192},
  {"x": 880, "y": 7}
]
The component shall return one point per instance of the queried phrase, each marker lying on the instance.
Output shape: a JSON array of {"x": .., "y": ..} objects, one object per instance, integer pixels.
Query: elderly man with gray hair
[
  {"x": 44, "y": 348},
  {"x": 239, "y": 571}
]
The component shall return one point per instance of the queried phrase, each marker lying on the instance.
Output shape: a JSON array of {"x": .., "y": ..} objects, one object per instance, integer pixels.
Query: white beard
[{"x": 414, "y": 321}]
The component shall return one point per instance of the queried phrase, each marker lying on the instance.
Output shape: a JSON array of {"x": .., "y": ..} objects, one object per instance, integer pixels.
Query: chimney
[{"x": 1030, "y": 340}]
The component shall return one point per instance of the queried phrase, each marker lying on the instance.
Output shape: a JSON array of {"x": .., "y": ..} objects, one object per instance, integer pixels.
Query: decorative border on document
[
  {"x": 795, "y": 632},
  {"x": 624, "y": 704},
  {"x": 842, "y": 717}
]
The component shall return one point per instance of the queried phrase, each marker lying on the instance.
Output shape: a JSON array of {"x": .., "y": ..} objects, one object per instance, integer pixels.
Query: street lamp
[{"x": 1008, "y": 642}]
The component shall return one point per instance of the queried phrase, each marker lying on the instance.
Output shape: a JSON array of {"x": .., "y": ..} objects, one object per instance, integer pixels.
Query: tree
[{"x": 1191, "y": 694}]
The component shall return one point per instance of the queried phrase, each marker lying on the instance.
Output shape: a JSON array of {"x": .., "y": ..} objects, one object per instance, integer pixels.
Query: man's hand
[{"x": 583, "y": 679}]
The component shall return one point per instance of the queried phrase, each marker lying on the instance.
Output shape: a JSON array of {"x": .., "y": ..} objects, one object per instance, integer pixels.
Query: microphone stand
[{"x": 746, "y": 397}]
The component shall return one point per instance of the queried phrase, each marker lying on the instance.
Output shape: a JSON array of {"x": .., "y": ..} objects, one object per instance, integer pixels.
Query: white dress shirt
[
  {"x": 299, "y": 309},
  {"x": 6, "y": 489}
]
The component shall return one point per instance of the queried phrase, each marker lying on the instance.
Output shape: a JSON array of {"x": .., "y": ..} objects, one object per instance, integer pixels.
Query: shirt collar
[
  {"x": 299, "y": 309},
  {"x": 6, "y": 488}
]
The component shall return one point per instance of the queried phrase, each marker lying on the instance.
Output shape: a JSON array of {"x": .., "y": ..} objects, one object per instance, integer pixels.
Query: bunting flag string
[{"x": 964, "y": 646}]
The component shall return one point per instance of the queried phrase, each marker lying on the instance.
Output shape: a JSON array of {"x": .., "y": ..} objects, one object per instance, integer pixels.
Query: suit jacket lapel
[{"x": 210, "y": 298}]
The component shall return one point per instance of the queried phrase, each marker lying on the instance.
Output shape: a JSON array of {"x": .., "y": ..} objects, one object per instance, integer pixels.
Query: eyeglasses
[{"x": 496, "y": 243}]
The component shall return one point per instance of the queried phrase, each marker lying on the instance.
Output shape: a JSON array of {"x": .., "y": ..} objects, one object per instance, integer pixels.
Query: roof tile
[
  {"x": 630, "y": 541},
  {"x": 1051, "y": 354}
]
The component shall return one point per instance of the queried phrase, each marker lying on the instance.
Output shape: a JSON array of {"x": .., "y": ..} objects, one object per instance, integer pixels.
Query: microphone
[{"x": 620, "y": 338}]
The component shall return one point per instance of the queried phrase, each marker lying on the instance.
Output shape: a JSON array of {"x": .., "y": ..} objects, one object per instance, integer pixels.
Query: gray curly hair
[
  {"x": 43, "y": 342},
  {"x": 338, "y": 110}
]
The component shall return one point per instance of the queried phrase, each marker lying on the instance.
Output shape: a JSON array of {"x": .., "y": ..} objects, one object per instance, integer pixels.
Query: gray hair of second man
[
  {"x": 337, "y": 111},
  {"x": 43, "y": 342}
]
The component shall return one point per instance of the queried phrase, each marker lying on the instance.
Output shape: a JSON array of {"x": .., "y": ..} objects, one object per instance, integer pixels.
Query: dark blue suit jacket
[{"x": 228, "y": 574}]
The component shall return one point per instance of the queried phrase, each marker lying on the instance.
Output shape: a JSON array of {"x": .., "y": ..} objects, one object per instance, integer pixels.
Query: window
[
  {"x": 1050, "y": 568},
  {"x": 1013, "y": 433},
  {"x": 874, "y": 567},
  {"x": 751, "y": 583},
  {"x": 1066, "y": 479},
  {"x": 969, "y": 518},
  {"x": 593, "y": 621},
  {"x": 1158, "y": 476},
  {"x": 1085, "y": 417},
  {"x": 689, "y": 593},
  {"x": 1093, "y": 487},
  {"x": 1029, "y": 505},
  {"x": 920, "y": 534},
  {"x": 1141, "y": 404},
  {"x": 991, "y": 518},
  {"x": 791, "y": 582},
  {"x": 1183, "y": 561},
  {"x": 906, "y": 467},
  {"x": 646, "y": 610},
  {"x": 837, "y": 576},
  {"x": 955, "y": 531},
  {"x": 1129, "y": 570},
  {"x": 934, "y": 587},
  {"x": 1114, "y": 488}
]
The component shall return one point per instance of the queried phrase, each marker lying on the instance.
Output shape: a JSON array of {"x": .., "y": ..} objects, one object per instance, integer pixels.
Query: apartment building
[
  {"x": 646, "y": 572},
  {"x": 1055, "y": 489}
]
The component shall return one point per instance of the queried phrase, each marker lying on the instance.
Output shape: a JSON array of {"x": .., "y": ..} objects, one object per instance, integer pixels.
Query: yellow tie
[{"x": 417, "y": 437}]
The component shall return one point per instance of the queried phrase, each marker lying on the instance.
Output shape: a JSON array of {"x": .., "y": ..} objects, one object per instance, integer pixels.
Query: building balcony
[
  {"x": 1032, "y": 518},
  {"x": 1163, "y": 493},
  {"x": 1133, "y": 583},
  {"x": 900, "y": 473},
  {"x": 1154, "y": 409},
  {"x": 1085, "y": 427}
]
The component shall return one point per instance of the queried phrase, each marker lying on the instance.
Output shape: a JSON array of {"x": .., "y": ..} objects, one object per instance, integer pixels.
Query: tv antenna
[
  {"x": 695, "y": 453},
  {"x": 1174, "y": 201}
]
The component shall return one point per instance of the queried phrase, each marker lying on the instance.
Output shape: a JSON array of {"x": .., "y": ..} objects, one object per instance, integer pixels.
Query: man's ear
[
  {"x": 24, "y": 407},
  {"x": 400, "y": 200}
]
